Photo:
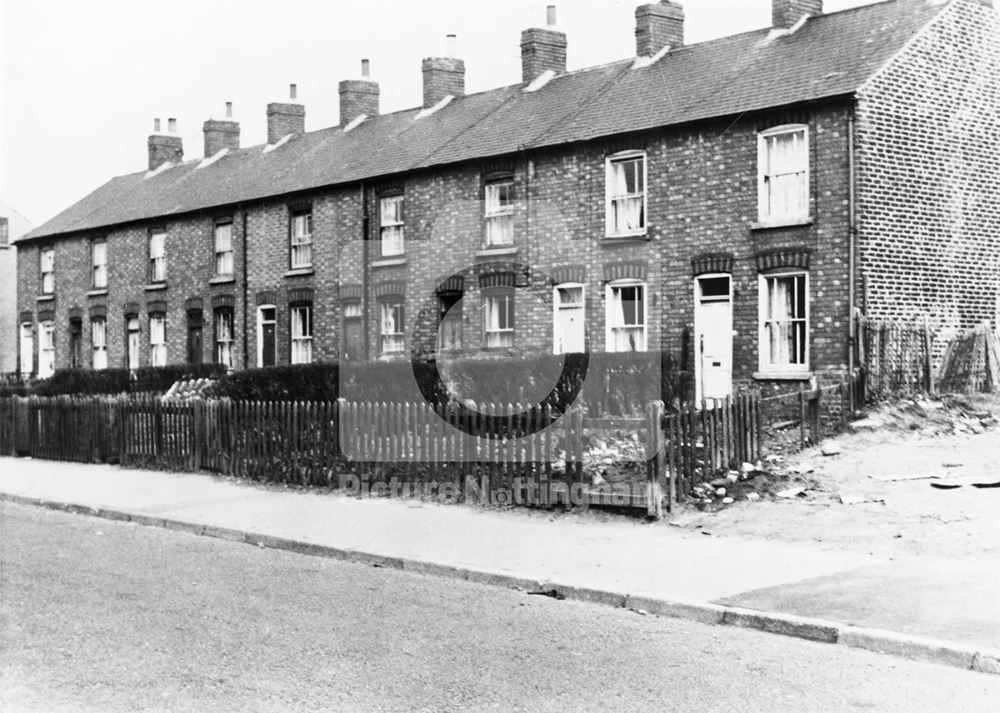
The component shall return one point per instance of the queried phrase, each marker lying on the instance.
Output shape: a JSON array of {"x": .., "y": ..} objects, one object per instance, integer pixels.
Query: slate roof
[{"x": 831, "y": 55}]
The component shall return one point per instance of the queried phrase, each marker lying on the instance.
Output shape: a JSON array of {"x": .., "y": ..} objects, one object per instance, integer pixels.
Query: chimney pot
[
  {"x": 162, "y": 147},
  {"x": 156, "y": 126},
  {"x": 293, "y": 91},
  {"x": 172, "y": 125},
  {"x": 365, "y": 68},
  {"x": 229, "y": 110},
  {"x": 658, "y": 25},
  {"x": 785, "y": 13},
  {"x": 550, "y": 15},
  {"x": 449, "y": 46}
]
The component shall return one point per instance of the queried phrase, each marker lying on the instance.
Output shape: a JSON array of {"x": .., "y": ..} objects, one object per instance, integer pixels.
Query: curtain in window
[
  {"x": 157, "y": 341},
  {"x": 157, "y": 257},
  {"x": 391, "y": 221},
  {"x": 499, "y": 214},
  {"x": 786, "y": 173},
  {"x": 786, "y": 320},
  {"x": 224, "y": 249},
  {"x": 224, "y": 338},
  {"x": 626, "y": 312},
  {"x": 627, "y": 195},
  {"x": 100, "y": 258},
  {"x": 392, "y": 327},
  {"x": 48, "y": 266},
  {"x": 302, "y": 240},
  {"x": 302, "y": 335},
  {"x": 499, "y": 321}
]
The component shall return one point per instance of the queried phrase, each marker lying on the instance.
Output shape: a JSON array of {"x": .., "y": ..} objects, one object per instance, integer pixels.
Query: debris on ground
[
  {"x": 791, "y": 492},
  {"x": 831, "y": 448}
]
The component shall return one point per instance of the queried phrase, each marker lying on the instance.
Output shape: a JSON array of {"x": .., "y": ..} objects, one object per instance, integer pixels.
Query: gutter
[
  {"x": 852, "y": 238},
  {"x": 365, "y": 270},
  {"x": 246, "y": 292}
]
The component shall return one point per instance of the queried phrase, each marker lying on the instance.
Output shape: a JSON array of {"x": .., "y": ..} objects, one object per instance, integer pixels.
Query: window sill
[
  {"x": 45, "y": 298},
  {"x": 783, "y": 375},
  {"x": 222, "y": 280},
  {"x": 98, "y": 292},
  {"x": 389, "y": 262},
  {"x": 498, "y": 251},
  {"x": 301, "y": 272},
  {"x": 615, "y": 240},
  {"x": 155, "y": 286},
  {"x": 782, "y": 223}
]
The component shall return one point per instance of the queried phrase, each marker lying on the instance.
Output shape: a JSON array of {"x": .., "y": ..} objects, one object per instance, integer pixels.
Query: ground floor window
[
  {"x": 46, "y": 349},
  {"x": 157, "y": 340},
  {"x": 391, "y": 327},
  {"x": 626, "y": 316},
  {"x": 27, "y": 349},
  {"x": 784, "y": 322},
  {"x": 450, "y": 320},
  {"x": 302, "y": 334},
  {"x": 224, "y": 337},
  {"x": 99, "y": 343},
  {"x": 498, "y": 318}
]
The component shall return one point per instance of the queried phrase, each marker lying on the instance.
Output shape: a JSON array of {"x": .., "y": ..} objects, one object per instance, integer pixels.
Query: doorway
[{"x": 713, "y": 324}]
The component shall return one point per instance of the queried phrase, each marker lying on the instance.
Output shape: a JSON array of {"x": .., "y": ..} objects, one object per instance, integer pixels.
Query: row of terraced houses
[{"x": 732, "y": 203}]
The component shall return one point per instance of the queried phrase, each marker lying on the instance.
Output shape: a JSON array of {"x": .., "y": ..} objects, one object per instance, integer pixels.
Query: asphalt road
[{"x": 107, "y": 616}]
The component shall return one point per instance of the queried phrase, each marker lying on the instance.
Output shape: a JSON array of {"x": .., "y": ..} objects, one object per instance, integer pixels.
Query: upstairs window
[
  {"x": 98, "y": 343},
  {"x": 784, "y": 327},
  {"x": 626, "y": 194},
  {"x": 302, "y": 334},
  {"x": 224, "y": 249},
  {"x": 783, "y": 168},
  {"x": 157, "y": 256},
  {"x": 224, "y": 337},
  {"x": 391, "y": 226},
  {"x": 301, "y": 240},
  {"x": 47, "y": 268},
  {"x": 626, "y": 305},
  {"x": 99, "y": 264},
  {"x": 157, "y": 340},
  {"x": 499, "y": 200},
  {"x": 391, "y": 327},
  {"x": 46, "y": 349},
  {"x": 498, "y": 318}
]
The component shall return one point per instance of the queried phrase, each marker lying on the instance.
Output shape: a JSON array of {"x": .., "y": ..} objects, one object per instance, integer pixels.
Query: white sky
[{"x": 82, "y": 80}]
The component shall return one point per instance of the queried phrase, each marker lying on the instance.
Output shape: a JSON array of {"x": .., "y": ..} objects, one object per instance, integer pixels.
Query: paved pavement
[{"x": 943, "y": 611}]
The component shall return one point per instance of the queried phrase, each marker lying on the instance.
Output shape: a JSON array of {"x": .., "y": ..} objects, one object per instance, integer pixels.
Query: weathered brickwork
[{"x": 929, "y": 206}]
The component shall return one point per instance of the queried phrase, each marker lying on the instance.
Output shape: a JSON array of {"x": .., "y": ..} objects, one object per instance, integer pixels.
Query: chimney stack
[
  {"x": 785, "y": 13},
  {"x": 443, "y": 76},
  {"x": 164, "y": 146},
  {"x": 358, "y": 96},
  {"x": 221, "y": 133},
  {"x": 658, "y": 26},
  {"x": 543, "y": 49},
  {"x": 284, "y": 118}
]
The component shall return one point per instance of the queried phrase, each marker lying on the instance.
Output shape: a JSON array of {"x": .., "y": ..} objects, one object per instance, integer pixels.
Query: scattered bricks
[
  {"x": 799, "y": 627},
  {"x": 987, "y": 661},
  {"x": 692, "y": 611},
  {"x": 831, "y": 448},
  {"x": 906, "y": 646}
]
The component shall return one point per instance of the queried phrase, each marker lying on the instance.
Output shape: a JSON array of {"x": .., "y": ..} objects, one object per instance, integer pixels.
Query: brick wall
[{"x": 928, "y": 128}]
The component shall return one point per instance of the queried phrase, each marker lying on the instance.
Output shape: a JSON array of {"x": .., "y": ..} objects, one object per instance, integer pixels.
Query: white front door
[
  {"x": 714, "y": 337},
  {"x": 569, "y": 325}
]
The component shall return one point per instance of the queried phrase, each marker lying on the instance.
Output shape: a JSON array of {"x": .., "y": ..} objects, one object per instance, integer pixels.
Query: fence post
[
  {"x": 928, "y": 358},
  {"x": 654, "y": 461}
]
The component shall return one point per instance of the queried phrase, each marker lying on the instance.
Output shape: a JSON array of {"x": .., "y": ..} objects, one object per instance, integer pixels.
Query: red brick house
[{"x": 731, "y": 203}]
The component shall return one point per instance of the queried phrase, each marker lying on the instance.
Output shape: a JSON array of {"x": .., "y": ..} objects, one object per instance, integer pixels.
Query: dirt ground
[{"x": 878, "y": 494}]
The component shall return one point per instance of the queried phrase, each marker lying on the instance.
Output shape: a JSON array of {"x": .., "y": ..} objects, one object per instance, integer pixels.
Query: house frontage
[
  {"x": 731, "y": 203},
  {"x": 12, "y": 226}
]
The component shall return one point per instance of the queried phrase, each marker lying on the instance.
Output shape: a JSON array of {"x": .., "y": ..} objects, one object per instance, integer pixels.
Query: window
[
  {"x": 784, "y": 309},
  {"x": 267, "y": 335},
  {"x": 783, "y": 168},
  {"x": 224, "y": 249},
  {"x": 301, "y": 240},
  {"x": 99, "y": 343},
  {"x": 157, "y": 340},
  {"x": 47, "y": 267},
  {"x": 27, "y": 349},
  {"x": 157, "y": 256},
  {"x": 626, "y": 194},
  {"x": 391, "y": 225},
  {"x": 132, "y": 342},
  {"x": 499, "y": 195},
  {"x": 498, "y": 318},
  {"x": 626, "y": 302},
  {"x": 568, "y": 330},
  {"x": 75, "y": 344},
  {"x": 353, "y": 337},
  {"x": 391, "y": 330},
  {"x": 46, "y": 349},
  {"x": 224, "y": 337},
  {"x": 302, "y": 334},
  {"x": 450, "y": 318},
  {"x": 99, "y": 264}
]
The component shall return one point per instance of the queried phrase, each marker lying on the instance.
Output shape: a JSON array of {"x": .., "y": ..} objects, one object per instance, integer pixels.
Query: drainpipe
[
  {"x": 851, "y": 240},
  {"x": 365, "y": 302},
  {"x": 246, "y": 292}
]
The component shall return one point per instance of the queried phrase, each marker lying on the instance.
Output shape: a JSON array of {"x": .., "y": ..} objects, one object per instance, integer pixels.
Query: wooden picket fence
[{"x": 897, "y": 358}]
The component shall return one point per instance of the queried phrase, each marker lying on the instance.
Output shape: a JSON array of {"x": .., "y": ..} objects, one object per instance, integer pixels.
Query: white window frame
[
  {"x": 132, "y": 359},
  {"x": 98, "y": 343},
  {"x": 47, "y": 270},
  {"x": 392, "y": 239},
  {"x": 392, "y": 325},
  {"x": 557, "y": 305},
  {"x": 611, "y": 303},
  {"x": 158, "y": 339},
  {"x": 300, "y": 233},
  {"x": 499, "y": 216},
  {"x": 496, "y": 336},
  {"x": 766, "y": 366},
  {"x": 27, "y": 348},
  {"x": 224, "y": 341},
  {"x": 301, "y": 331},
  {"x": 765, "y": 176},
  {"x": 222, "y": 238},
  {"x": 457, "y": 319},
  {"x": 158, "y": 256},
  {"x": 613, "y": 197},
  {"x": 260, "y": 332},
  {"x": 46, "y": 349},
  {"x": 99, "y": 264}
]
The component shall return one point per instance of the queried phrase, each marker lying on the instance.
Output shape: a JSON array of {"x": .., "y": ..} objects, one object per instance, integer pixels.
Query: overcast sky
[{"x": 82, "y": 80}]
